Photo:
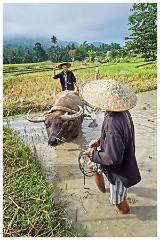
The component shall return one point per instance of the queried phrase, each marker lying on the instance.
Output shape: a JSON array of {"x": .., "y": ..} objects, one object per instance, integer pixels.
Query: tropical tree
[
  {"x": 91, "y": 55},
  {"x": 6, "y": 56},
  {"x": 54, "y": 39},
  {"x": 28, "y": 56},
  {"x": 15, "y": 56},
  {"x": 115, "y": 46},
  {"x": 40, "y": 52},
  {"x": 143, "y": 21},
  {"x": 58, "y": 54}
]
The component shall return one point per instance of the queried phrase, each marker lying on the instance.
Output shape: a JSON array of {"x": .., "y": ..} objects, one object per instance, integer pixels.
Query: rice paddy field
[
  {"x": 30, "y": 85},
  {"x": 30, "y": 206}
]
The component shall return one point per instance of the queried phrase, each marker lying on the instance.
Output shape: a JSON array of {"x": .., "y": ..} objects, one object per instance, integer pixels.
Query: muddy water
[{"x": 86, "y": 205}]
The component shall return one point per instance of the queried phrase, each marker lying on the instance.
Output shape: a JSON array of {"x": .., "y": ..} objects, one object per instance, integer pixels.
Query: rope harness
[
  {"x": 82, "y": 161},
  {"x": 96, "y": 167},
  {"x": 58, "y": 134}
]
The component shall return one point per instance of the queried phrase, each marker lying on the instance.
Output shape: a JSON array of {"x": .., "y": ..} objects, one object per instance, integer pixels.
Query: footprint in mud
[
  {"x": 87, "y": 194},
  {"x": 145, "y": 107},
  {"x": 131, "y": 200}
]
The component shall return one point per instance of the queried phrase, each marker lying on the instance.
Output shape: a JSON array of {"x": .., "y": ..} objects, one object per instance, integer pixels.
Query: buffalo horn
[
  {"x": 35, "y": 119},
  {"x": 72, "y": 116}
]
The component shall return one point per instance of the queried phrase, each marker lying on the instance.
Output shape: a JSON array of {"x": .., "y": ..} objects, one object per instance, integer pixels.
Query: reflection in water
[{"x": 144, "y": 116}]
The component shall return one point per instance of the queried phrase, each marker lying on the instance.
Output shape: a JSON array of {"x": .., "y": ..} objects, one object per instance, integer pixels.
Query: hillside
[{"x": 13, "y": 42}]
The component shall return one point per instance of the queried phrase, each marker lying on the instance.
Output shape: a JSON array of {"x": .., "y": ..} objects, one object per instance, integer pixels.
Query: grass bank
[
  {"x": 30, "y": 85},
  {"x": 30, "y": 207}
]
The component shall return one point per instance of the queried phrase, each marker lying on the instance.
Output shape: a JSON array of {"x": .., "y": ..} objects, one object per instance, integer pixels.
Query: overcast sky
[{"x": 105, "y": 22}]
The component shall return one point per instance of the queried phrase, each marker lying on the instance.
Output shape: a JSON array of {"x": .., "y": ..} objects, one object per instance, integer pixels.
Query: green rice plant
[{"x": 30, "y": 207}]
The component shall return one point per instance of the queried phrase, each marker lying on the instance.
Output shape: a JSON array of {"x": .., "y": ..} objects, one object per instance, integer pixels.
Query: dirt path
[{"x": 91, "y": 209}]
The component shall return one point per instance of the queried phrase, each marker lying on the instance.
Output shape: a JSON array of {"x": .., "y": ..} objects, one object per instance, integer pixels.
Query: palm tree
[{"x": 54, "y": 39}]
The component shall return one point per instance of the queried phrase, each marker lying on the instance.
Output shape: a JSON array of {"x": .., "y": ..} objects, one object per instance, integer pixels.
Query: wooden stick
[{"x": 18, "y": 170}]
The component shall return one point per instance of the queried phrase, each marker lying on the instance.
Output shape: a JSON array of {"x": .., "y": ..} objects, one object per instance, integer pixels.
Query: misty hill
[
  {"x": 96, "y": 44},
  {"x": 13, "y": 42}
]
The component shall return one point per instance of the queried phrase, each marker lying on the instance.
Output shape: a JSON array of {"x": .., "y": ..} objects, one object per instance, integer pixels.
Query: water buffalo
[{"x": 64, "y": 119}]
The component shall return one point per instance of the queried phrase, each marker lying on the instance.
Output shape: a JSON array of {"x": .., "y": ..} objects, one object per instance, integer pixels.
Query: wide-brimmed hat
[
  {"x": 64, "y": 63},
  {"x": 109, "y": 95}
]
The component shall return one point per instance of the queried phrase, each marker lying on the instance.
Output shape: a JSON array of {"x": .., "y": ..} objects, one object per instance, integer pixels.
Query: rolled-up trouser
[{"x": 118, "y": 192}]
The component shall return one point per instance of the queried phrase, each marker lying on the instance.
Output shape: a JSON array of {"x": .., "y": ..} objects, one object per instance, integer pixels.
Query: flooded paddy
[{"x": 89, "y": 208}]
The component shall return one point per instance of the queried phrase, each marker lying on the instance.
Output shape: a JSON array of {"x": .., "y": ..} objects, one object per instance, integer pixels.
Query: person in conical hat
[
  {"x": 116, "y": 153},
  {"x": 67, "y": 78}
]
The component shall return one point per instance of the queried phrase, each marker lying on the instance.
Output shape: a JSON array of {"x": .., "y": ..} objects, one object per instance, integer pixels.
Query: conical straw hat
[
  {"x": 109, "y": 95},
  {"x": 64, "y": 63}
]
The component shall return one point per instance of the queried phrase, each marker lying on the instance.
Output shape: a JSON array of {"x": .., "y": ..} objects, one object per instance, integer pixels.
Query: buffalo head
[{"x": 60, "y": 124}]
